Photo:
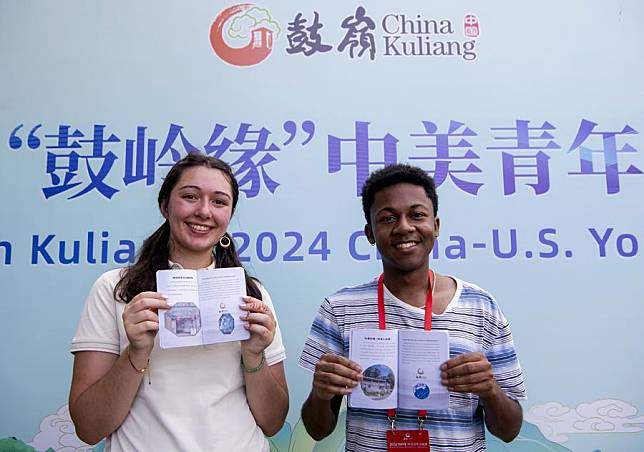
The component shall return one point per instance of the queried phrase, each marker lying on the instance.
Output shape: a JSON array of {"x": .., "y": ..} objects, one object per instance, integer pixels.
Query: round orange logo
[{"x": 243, "y": 34}]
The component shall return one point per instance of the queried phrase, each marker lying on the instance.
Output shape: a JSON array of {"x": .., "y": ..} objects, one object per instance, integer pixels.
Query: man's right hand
[{"x": 335, "y": 375}]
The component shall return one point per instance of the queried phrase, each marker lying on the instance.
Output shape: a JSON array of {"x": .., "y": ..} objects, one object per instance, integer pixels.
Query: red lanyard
[{"x": 391, "y": 413}]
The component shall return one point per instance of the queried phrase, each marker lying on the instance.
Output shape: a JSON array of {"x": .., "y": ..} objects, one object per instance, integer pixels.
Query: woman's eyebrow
[
  {"x": 195, "y": 187},
  {"x": 219, "y": 192}
]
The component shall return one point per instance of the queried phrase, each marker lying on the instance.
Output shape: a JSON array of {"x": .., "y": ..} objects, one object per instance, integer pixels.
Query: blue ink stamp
[
  {"x": 226, "y": 323},
  {"x": 421, "y": 391}
]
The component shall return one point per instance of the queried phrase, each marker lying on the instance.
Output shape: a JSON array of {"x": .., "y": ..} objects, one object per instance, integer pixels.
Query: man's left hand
[{"x": 469, "y": 372}]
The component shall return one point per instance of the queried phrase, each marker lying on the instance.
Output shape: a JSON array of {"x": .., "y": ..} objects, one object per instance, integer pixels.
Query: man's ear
[
  {"x": 437, "y": 226},
  {"x": 369, "y": 233}
]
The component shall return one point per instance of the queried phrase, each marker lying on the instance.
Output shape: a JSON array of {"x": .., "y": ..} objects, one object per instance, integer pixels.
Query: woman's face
[{"x": 198, "y": 210}]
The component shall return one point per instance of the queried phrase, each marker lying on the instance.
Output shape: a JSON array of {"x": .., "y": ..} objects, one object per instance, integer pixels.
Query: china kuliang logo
[{"x": 243, "y": 34}]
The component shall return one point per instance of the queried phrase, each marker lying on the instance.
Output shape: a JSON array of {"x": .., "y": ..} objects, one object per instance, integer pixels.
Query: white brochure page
[
  {"x": 179, "y": 326},
  {"x": 220, "y": 294},
  {"x": 420, "y": 355},
  {"x": 376, "y": 351}
]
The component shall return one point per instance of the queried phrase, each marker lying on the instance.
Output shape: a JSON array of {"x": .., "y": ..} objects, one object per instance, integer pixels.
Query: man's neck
[{"x": 410, "y": 287}]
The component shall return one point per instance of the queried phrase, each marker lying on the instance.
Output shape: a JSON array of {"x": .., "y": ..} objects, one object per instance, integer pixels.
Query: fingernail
[
  {"x": 443, "y": 366},
  {"x": 164, "y": 296}
]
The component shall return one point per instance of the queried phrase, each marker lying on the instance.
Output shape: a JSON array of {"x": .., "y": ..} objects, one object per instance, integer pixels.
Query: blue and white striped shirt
[{"x": 474, "y": 322}]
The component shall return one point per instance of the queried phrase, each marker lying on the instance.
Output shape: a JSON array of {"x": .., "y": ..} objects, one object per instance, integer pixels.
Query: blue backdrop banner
[{"x": 529, "y": 116}]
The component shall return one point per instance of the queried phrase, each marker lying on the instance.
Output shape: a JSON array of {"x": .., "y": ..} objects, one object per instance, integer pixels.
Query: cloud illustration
[
  {"x": 557, "y": 421},
  {"x": 57, "y": 432}
]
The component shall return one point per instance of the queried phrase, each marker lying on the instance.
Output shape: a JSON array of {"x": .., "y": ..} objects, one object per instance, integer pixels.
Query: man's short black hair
[{"x": 395, "y": 174}]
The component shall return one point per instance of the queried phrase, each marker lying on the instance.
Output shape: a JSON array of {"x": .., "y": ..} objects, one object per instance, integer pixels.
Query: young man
[{"x": 483, "y": 373}]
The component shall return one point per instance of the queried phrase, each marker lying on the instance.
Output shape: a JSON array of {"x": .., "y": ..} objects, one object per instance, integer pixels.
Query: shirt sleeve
[
  {"x": 325, "y": 337},
  {"x": 275, "y": 352},
  {"x": 98, "y": 327},
  {"x": 503, "y": 357}
]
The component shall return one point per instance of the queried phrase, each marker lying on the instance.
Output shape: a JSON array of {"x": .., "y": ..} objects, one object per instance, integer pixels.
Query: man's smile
[{"x": 406, "y": 244}]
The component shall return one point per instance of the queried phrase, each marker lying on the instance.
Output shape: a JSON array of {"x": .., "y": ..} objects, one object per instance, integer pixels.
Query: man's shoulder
[
  {"x": 473, "y": 289},
  {"x": 473, "y": 294},
  {"x": 469, "y": 291}
]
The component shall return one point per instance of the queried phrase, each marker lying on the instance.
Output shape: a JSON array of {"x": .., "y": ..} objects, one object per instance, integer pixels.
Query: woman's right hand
[
  {"x": 141, "y": 322},
  {"x": 335, "y": 375}
]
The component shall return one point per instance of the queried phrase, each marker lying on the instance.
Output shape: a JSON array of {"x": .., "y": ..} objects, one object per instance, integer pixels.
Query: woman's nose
[{"x": 203, "y": 210}]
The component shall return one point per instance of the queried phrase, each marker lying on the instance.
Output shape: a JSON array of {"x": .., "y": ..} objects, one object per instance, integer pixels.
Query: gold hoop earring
[{"x": 224, "y": 241}]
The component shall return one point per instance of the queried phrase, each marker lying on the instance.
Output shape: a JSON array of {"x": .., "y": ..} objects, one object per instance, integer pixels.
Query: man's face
[{"x": 403, "y": 227}]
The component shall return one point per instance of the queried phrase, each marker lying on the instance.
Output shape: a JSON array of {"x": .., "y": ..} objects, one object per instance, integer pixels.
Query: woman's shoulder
[
  {"x": 107, "y": 281},
  {"x": 112, "y": 277}
]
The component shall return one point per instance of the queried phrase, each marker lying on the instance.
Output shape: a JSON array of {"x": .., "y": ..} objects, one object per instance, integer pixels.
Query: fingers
[
  {"x": 335, "y": 375},
  {"x": 480, "y": 389},
  {"x": 254, "y": 305},
  {"x": 265, "y": 320},
  {"x": 141, "y": 320},
  {"x": 259, "y": 318},
  {"x": 260, "y": 322},
  {"x": 143, "y": 316},
  {"x": 144, "y": 307},
  {"x": 150, "y": 294},
  {"x": 468, "y": 369},
  {"x": 148, "y": 300},
  {"x": 142, "y": 328},
  {"x": 469, "y": 372},
  {"x": 468, "y": 379},
  {"x": 326, "y": 391},
  {"x": 338, "y": 363},
  {"x": 462, "y": 359},
  {"x": 258, "y": 312},
  {"x": 260, "y": 333},
  {"x": 260, "y": 325}
]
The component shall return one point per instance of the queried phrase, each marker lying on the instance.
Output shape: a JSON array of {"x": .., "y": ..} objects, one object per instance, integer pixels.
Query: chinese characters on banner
[{"x": 78, "y": 163}]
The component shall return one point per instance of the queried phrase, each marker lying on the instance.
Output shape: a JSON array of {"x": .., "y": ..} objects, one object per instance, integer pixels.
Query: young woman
[{"x": 221, "y": 397}]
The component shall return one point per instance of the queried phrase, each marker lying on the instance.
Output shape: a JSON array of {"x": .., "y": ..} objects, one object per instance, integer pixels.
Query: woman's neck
[{"x": 192, "y": 262}]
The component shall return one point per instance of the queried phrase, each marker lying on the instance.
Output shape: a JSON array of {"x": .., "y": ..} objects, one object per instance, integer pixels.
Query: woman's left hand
[{"x": 261, "y": 325}]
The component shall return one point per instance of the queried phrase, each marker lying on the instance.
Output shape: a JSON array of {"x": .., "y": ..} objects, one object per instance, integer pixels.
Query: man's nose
[{"x": 404, "y": 225}]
